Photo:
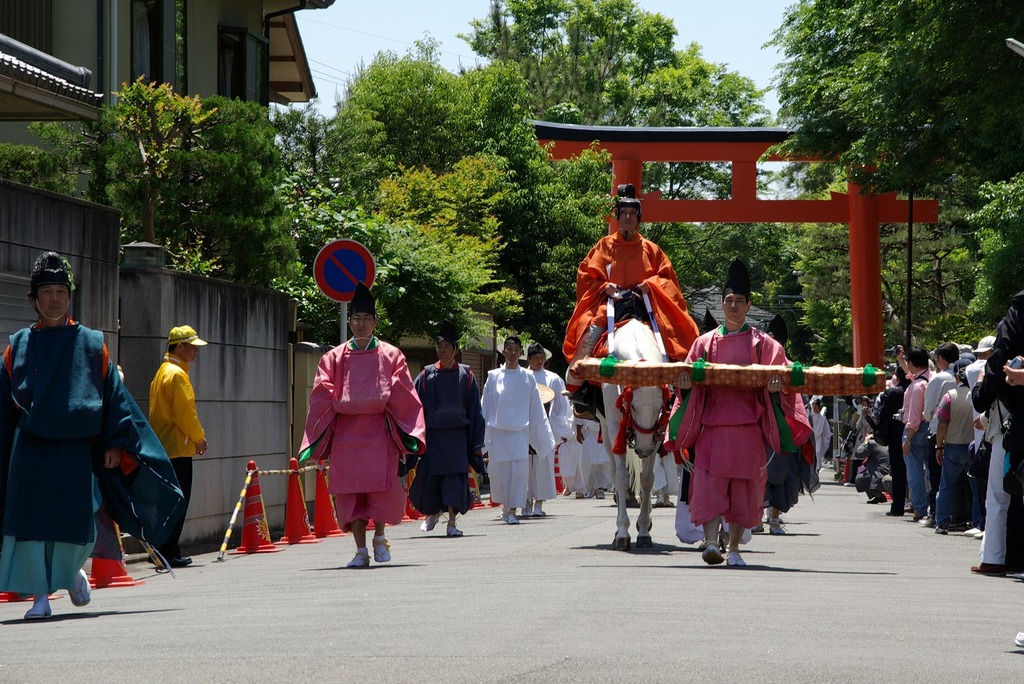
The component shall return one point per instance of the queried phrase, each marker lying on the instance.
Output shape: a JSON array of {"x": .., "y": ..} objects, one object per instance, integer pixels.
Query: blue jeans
[
  {"x": 978, "y": 503},
  {"x": 917, "y": 470},
  {"x": 954, "y": 465}
]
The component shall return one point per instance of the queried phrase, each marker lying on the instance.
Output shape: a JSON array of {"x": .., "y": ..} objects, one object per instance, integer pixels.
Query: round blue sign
[{"x": 340, "y": 265}]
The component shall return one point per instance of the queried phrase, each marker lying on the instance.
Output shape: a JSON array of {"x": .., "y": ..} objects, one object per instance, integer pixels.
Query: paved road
[{"x": 847, "y": 595}]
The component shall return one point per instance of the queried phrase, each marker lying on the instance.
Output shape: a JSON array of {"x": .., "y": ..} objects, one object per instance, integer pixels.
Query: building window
[
  {"x": 159, "y": 42},
  {"x": 242, "y": 65}
]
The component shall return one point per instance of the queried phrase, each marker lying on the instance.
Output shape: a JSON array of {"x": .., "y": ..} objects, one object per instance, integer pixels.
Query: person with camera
[
  {"x": 889, "y": 432},
  {"x": 1003, "y": 383}
]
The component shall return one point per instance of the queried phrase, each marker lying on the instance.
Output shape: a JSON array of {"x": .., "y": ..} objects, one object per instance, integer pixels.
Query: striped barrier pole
[{"x": 234, "y": 515}]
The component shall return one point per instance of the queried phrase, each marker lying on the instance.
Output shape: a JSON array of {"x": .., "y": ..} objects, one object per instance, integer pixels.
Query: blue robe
[
  {"x": 62, "y": 406},
  {"x": 455, "y": 434}
]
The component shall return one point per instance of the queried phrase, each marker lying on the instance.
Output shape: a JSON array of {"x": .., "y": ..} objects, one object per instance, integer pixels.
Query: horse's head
[{"x": 644, "y": 419}]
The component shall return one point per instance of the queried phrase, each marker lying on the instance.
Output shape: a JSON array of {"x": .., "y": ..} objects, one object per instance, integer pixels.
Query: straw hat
[{"x": 546, "y": 393}]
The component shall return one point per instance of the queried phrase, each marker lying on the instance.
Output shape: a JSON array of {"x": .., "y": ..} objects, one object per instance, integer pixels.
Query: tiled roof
[{"x": 28, "y": 92}]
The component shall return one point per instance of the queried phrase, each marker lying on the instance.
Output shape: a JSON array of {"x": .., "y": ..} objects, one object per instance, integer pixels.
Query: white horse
[{"x": 638, "y": 415}]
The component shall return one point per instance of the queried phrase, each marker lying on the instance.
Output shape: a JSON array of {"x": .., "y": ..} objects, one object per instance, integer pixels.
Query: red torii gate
[{"x": 743, "y": 148}]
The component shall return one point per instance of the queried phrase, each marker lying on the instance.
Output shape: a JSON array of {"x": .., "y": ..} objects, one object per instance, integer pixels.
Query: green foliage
[
  {"x": 53, "y": 166},
  {"x": 587, "y": 52},
  {"x": 923, "y": 89},
  {"x": 199, "y": 177},
  {"x": 426, "y": 272},
  {"x": 824, "y": 263},
  {"x": 445, "y": 157},
  {"x": 156, "y": 120},
  {"x": 33, "y": 166},
  {"x": 1000, "y": 226}
]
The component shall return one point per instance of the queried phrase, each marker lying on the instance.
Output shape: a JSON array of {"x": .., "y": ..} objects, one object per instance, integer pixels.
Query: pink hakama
[
  {"x": 366, "y": 414},
  {"x": 729, "y": 429}
]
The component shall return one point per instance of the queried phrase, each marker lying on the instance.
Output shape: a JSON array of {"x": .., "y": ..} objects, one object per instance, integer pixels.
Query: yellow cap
[{"x": 186, "y": 334}]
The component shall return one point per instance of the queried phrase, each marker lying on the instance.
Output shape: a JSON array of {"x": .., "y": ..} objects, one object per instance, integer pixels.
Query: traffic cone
[
  {"x": 296, "y": 519},
  {"x": 474, "y": 490},
  {"x": 559, "y": 482},
  {"x": 255, "y": 530},
  {"x": 410, "y": 511},
  {"x": 325, "y": 518},
  {"x": 111, "y": 573},
  {"x": 15, "y": 597}
]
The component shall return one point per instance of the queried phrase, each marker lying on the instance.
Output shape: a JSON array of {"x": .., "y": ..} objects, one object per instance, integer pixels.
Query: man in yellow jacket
[{"x": 172, "y": 413}]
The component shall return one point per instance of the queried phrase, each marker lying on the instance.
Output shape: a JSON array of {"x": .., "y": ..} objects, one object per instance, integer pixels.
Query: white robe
[
  {"x": 596, "y": 454},
  {"x": 516, "y": 421},
  {"x": 575, "y": 469},
  {"x": 541, "y": 478},
  {"x": 822, "y": 436}
]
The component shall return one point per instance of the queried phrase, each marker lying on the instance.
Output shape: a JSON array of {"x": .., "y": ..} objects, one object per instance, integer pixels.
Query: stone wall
[
  {"x": 242, "y": 381},
  {"x": 32, "y": 221}
]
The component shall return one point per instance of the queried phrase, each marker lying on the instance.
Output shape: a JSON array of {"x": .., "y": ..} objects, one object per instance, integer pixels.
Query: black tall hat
[
  {"x": 362, "y": 301},
  {"x": 626, "y": 197},
  {"x": 51, "y": 269},
  {"x": 709, "y": 323},
  {"x": 737, "y": 281},
  {"x": 447, "y": 333},
  {"x": 777, "y": 329}
]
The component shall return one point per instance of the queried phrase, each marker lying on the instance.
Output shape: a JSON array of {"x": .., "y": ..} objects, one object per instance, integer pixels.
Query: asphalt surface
[{"x": 847, "y": 595}]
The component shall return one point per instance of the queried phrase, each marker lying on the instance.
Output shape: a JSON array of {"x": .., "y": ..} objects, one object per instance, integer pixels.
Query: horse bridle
[{"x": 658, "y": 427}]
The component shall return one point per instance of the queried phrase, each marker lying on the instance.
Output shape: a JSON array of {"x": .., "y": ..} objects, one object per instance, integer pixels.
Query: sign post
[{"x": 339, "y": 266}]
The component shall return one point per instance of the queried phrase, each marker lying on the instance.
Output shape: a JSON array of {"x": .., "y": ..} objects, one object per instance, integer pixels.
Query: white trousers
[
  {"x": 600, "y": 475},
  {"x": 541, "y": 480},
  {"x": 508, "y": 482},
  {"x": 997, "y": 502}
]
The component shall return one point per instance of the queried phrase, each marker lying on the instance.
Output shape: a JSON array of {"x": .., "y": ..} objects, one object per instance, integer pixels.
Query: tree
[
  {"x": 425, "y": 272},
  {"x": 210, "y": 198},
  {"x": 1000, "y": 226},
  {"x": 156, "y": 119},
  {"x": 457, "y": 154},
  {"x": 917, "y": 91},
  {"x": 590, "y": 53}
]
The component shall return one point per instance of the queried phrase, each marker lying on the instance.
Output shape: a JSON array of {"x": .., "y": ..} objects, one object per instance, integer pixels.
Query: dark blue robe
[{"x": 455, "y": 434}]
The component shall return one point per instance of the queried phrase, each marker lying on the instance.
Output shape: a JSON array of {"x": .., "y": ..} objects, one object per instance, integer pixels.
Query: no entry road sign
[{"x": 340, "y": 265}]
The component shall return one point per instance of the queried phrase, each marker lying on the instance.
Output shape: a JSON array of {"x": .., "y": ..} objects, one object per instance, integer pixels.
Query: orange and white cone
[
  {"x": 325, "y": 518},
  {"x": 559, "y": 482},
  {"x": 111, "y": 573},
  {"x": 474, "y": 490},
  {"x": 296, "y": 519},
  {"x": 255, "y": 530},
  {"x": 15, "y": 597}
]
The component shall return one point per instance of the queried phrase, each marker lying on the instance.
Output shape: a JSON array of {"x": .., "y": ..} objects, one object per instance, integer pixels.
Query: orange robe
[{"x": 633, "y": 262}]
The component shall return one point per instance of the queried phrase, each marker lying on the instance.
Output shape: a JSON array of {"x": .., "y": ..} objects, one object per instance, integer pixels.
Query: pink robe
[
  {"x": 730, "y": 428},
  {"x": 363, "y": 403}
]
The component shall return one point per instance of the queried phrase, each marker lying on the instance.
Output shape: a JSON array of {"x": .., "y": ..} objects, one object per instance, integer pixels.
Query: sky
[{"x": 730, "y": 32}]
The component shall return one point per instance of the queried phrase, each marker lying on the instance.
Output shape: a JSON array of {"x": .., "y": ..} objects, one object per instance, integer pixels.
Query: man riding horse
[{"x": 622, "y": 261}]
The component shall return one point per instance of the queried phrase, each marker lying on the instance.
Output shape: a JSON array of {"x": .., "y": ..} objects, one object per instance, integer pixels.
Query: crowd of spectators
[{"x": 942, "y": 444}]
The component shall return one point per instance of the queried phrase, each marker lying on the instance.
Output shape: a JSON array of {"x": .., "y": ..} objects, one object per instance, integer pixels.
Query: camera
[{"x": 894, "y": 350}]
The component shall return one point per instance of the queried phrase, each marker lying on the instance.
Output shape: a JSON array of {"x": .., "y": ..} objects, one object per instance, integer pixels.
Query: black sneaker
[{"x": 941, "y": 529}]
